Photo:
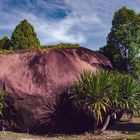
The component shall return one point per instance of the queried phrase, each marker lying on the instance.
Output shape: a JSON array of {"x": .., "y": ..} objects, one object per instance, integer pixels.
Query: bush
[
  {"x": 5, "y": 43},
  {"x": 61, "y": 45}
]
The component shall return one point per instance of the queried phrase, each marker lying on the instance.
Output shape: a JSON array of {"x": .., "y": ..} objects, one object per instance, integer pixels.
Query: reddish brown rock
[{"x": 34, "y": 80}]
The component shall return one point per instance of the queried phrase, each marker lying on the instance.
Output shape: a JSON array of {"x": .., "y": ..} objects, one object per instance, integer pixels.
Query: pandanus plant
[
  {"x": 128, "y": 91},
  {"x": 104, "y": 94}
]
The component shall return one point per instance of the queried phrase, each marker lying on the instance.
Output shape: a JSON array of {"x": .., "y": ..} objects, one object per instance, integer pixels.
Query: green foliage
[
  {"x": 92, "y": 90},
  {"x": 125, "y": 94},
  {"x": 130, "y": 93},
  {"x": 24, "y": 36},
  {"x": 106, "y": 93},
  {"x": 61, "y": 45},
  {"x": 5, "y": 43},
  {"x": 2, "y": 51},
  {"x": 2, "y": 94},
  {"x": 123, "y": 42}
]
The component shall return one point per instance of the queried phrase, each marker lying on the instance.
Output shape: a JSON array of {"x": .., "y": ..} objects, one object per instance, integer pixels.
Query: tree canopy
[
  {"x": 24, "y": 36},
  {"x": 123, "y": 42}
]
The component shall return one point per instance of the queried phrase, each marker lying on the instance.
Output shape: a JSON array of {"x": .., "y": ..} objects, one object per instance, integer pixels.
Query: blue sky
[{"x": 86, "y": 22}]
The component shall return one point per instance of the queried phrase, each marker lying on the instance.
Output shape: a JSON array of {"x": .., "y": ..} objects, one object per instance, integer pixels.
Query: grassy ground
[{"x": 120, "y": 131}]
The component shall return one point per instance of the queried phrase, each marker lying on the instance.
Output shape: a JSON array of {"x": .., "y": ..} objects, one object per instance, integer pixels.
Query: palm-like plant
[
  {"x": 124, "y": 97},
  {"x": 128, "y": 94},
  {"x": 92, "y": 90},
  {"x": 104, "y": 93}
]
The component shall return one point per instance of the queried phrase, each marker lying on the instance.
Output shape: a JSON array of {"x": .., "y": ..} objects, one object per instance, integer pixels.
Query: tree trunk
[
  {"x": 95, "y": 127},
  {"x": 119, "y": 115},
  {"x": 105, "y": 124}
]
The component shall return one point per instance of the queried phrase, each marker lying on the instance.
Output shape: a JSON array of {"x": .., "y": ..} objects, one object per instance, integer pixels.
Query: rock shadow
[
  {"x": 126, "y": 127},
  {"x": 63, "y": 117}
]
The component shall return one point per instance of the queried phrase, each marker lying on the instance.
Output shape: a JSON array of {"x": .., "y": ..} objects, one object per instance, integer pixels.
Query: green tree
[
  {"x": 123, "y": 42},
  {"x": 5, "y": 43},
  {"x": 24, "y": 36}
]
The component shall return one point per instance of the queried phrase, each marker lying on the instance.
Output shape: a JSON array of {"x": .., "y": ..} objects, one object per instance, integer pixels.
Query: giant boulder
[{"x": 34, "y": 80}]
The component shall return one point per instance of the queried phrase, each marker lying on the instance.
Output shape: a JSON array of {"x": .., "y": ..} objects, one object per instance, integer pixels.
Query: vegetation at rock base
[
  {"x": 2, "y": 94},
  {"x": 105, "y": 93},
  {"x": 123, "y": 42}
]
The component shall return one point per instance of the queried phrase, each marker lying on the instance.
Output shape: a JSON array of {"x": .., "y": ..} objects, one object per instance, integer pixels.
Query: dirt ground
[{"x": 121, "y": 131}]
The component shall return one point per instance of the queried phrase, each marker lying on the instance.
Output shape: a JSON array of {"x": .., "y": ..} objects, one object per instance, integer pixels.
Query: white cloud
[
  {"x": 52, "y": 31},
  {"x": 72, "y": 28}
]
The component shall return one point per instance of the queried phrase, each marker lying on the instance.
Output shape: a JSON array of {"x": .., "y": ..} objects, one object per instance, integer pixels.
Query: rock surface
[{"x": 34, "y": 81}]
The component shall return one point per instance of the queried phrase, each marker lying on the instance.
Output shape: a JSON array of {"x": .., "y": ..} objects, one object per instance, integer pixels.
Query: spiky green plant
[
  {"x": 106, "y": 92},
  {"x": 92, "y": 90},
  {"x": 129, "y": 94}
]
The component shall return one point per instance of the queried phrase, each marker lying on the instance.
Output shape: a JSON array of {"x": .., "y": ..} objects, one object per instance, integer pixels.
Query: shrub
[
  {"x": 5, "y": 43},
  {"x": 61, "y": 45}
]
